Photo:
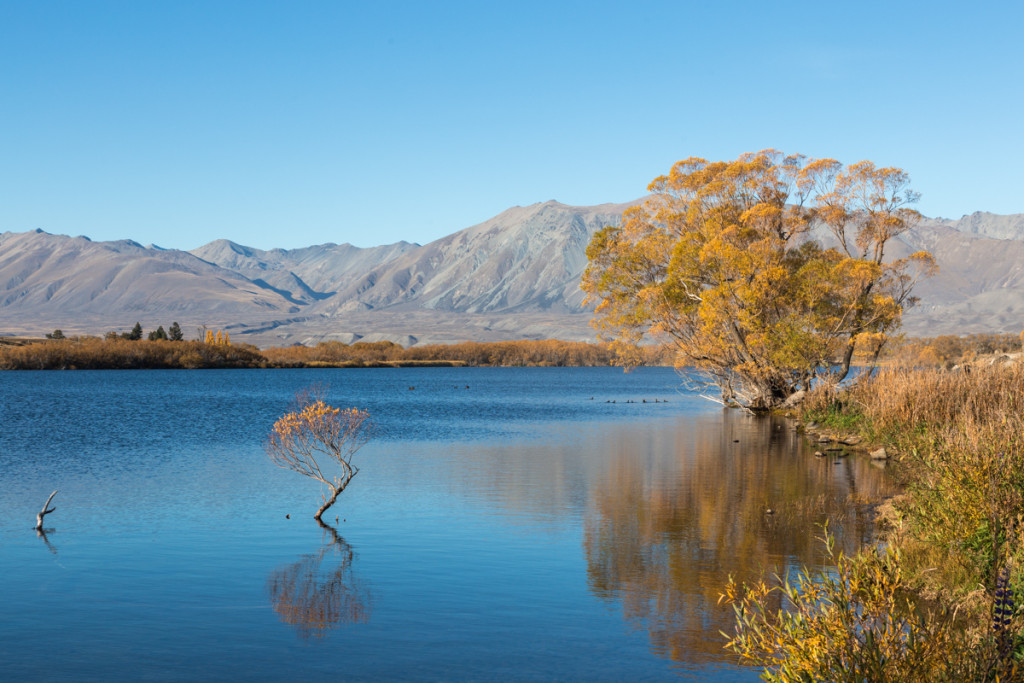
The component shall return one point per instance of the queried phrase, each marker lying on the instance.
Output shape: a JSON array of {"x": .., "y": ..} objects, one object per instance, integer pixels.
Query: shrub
[{"x": 858, "y": 623}]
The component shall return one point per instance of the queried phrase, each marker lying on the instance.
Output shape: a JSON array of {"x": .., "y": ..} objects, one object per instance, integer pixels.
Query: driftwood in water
[{"x": 45, "y": 511}]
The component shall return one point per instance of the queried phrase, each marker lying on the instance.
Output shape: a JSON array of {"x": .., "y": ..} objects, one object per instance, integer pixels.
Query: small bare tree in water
[{"x": 315, "y": 432}]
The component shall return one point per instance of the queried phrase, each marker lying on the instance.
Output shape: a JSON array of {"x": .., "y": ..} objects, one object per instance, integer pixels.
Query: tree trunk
[
  {"x": 328, "y": 503},
  {"x": 844, "y": 368},
  {"x": 339, "y": 485}
]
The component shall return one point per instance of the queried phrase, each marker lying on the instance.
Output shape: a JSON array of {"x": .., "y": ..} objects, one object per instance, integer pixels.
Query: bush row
[{"x": 118, "y": 352}]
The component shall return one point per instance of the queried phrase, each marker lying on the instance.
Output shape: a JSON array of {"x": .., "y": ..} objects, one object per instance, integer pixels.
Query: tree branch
[{"x": 45, "y": 511}]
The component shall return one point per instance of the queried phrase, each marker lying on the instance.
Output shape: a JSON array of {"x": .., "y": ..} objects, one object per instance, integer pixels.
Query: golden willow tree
[{"x": 722, "y": 260}]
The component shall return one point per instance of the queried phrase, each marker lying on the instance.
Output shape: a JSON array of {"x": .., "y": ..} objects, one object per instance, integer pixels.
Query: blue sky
[{"x": 299, "y": 123}]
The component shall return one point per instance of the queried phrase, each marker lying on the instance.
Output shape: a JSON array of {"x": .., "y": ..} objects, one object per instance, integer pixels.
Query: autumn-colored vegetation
[
  {"x": 944, "y": 601},
  {"x": 320, "y": 591},
  {"x": 721, "y": 262},
  {"x": 112, "y": 352},
  {"x": 219, "y": 338},
  {"x": 656, "y": 535},
  {"x": 116, "y": 351},
  {"x": 94, "y": 353},
  {"x": 315, "y": 434},
  {"x": 856, "y": 624},
  {"x": 509, "y": 354},
  {"x": 949, "y": 350}
]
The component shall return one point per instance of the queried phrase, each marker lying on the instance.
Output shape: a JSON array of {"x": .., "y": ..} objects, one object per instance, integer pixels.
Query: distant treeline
[
  {"x": 122, "y": 351},
  {"x": 116, "y": 352},
  {"x": 511, "y": 353}
]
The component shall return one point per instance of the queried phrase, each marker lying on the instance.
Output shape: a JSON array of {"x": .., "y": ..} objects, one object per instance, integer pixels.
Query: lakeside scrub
[
  {"x": 118, "y": 353},
  {"x": 944, "y": 600}
]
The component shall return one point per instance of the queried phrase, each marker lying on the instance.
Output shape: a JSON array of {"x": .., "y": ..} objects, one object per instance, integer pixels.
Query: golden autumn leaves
[
  {"x": 316, "y": 432},
  {"x": 762, "y": 271},
  {"x": 317, "y": 418},
  {"x": 221, "y": 338}
]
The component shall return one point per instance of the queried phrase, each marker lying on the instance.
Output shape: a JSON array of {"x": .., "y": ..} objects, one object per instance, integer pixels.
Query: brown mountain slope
[
  {"x": 514, "y": 276},
  {"x": 305, "y": 275},
  {"x": 49, "y": 281},
  {"x": 526, "y": 259},
  {"x": 980, "y": 285}
]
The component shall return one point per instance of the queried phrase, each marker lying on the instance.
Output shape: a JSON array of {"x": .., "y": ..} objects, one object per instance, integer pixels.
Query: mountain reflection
[
  {"x": 319, "y": 592},
  {"x": 664, "y": 531}
]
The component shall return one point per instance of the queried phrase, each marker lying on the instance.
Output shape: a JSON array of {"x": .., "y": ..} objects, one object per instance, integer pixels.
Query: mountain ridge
[{"x": 513, "y": 276}]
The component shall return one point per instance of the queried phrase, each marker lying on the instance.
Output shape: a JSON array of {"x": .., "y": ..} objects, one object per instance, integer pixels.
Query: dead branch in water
[{"x": 45, "y": 511}]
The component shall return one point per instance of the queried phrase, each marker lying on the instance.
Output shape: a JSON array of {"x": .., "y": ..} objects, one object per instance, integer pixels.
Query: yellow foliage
[
  {"x": 857, "y": 624},
  {"x": 116, "y": 352},
  {"x": 718, "y": 261},
  {"x": 218, "y": 338},
  {"x": 959, "y": 526},
  {"x": 302, "y": 438},
  {"x": 551, "y": 352}
]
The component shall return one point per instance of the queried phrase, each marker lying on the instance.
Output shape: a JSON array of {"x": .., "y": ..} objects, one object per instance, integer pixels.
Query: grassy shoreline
[{"x": 944, "y": 598}]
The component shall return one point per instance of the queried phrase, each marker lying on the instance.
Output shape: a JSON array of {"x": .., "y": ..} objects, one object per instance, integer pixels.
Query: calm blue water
[{"x": 507, "y": 524}]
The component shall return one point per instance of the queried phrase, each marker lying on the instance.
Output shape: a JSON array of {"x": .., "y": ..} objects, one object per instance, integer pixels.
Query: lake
[{"x": 506, "y": 524}]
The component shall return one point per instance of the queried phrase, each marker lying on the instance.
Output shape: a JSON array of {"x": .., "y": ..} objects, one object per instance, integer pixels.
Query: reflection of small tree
[
  {"x": 314, "y": 430},
  {"x": 315, "y": 601}
]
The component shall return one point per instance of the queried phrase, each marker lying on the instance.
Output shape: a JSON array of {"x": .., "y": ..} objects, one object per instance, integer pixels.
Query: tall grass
[{"x": 901, "y": 404}]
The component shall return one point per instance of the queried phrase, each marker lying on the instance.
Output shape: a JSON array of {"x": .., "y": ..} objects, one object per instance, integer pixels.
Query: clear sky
[{"x": 286, "y": 124}]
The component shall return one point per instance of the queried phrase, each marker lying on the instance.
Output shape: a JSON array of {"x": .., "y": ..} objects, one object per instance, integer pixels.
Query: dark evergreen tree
[
  {"x": 174, "y": 332},
  {"x": 56, "y": 334},
  {"x": 136, "y": 332},
  {"x": 158, "y": 334}
]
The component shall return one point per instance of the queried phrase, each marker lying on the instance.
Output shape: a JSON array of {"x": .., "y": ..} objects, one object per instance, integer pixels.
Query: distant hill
[
  {"x": 302, "y": 275},
  {"x": 980, "y": 285},
  {"x": 515, "y": 276},
  {"x": 984, "y": 224},
  {"x": 526, "y": 259},
  {"x": 74, "y": 281}
]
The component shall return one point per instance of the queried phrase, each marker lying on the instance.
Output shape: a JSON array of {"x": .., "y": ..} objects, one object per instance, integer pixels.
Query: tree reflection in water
[
  {"x": 319, "y": 592},
  {"x": 41, "y": 533},
  {"x": 663, "y": 534}
]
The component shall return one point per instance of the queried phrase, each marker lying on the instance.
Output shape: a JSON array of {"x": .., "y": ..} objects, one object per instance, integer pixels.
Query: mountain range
[{"x": 515, "y": 276}]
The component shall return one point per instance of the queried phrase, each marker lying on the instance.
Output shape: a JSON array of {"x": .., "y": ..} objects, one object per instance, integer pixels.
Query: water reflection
[
  {"x": 41, "y": 533},
  {"x": 319, "y": 592},
  {"x": 662, "y": 534}
]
